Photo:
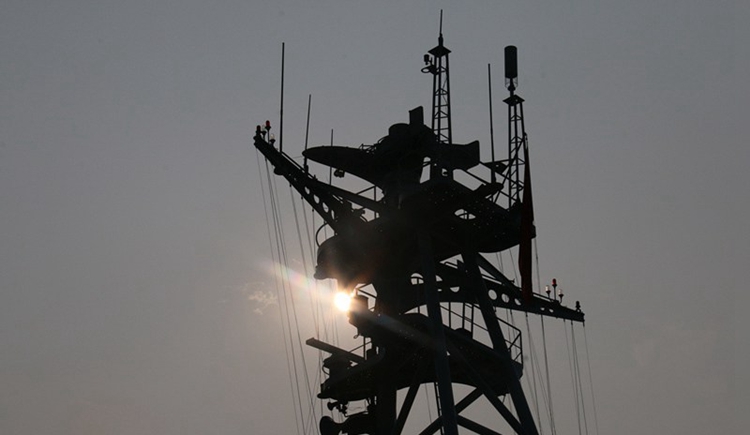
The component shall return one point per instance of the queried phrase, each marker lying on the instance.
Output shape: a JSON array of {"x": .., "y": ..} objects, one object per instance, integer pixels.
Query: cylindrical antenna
[
  {"x": 307, "y": 128},
  {"x": 511, "y": 67},
  {"x": 492, "y": 129},
  {"x": 281, "y": 110}
]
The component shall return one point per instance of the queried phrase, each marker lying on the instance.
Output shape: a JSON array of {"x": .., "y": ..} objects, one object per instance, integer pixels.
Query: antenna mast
[
  {"x": 437, "y": 64},
  {"x": 281, "y": 104},
  {"x": 516, "y": 129}
]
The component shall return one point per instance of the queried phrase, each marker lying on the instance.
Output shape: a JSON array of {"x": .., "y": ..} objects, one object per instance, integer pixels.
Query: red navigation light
[
  {"x": 268, "y": 125},
  {"x": 554, "y": 282}
]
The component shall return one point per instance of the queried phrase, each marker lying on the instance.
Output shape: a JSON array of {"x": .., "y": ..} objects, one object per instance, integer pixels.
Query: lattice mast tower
[
  {"x": 437, "y": 63},
  {"x": 420, "y": 252}
]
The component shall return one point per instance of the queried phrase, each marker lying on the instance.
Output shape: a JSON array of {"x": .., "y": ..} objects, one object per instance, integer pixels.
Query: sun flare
[{"x": 342, "y": 301}]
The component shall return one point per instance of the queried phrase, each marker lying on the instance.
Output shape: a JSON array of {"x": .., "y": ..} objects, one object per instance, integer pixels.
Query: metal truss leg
[
  {"x": 442, "y": 369},
  {"x": 460, "y": 406},
  {"x": 409, "y": 399},
  {"x": 528, "y": 427}
]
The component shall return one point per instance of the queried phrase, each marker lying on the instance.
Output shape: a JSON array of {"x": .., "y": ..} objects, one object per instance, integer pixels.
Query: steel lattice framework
[{"x": 421, "y": 251}]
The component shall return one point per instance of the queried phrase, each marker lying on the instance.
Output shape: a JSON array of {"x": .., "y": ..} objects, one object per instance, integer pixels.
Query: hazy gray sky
[{"x": 133, "y": 241}]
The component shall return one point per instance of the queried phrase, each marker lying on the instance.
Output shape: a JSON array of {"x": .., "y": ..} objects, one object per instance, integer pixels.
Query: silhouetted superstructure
[{"x": 421, "y": 250}]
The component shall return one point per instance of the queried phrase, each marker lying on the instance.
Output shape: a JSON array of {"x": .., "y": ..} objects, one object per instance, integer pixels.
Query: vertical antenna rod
[
  {"x": 492, "y": 128},
  {"x": 307, "y": 128},
  {"x": 330, "y": 168},
  {"x": 281, "y": 110}
]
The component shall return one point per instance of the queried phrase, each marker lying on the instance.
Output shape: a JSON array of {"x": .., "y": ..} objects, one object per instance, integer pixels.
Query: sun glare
[{"x": 342, "y": 301}]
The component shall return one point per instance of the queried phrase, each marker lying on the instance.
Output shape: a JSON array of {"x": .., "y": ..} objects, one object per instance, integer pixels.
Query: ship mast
[{"x": 421, "y": 253}]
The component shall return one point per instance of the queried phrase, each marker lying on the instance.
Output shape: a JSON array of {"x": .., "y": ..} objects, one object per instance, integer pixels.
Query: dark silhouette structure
[{"x": 420, "y": 246}]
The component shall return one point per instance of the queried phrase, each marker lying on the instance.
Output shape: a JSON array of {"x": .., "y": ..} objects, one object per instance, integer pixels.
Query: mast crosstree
[{"x": 422, "y": 252}]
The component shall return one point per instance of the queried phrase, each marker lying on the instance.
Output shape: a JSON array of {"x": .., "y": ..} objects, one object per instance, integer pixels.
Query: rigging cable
[
  {"x": 549, "y": 383},
  {"x": 591, "y": 380},
  {"x": 536, "y": 256},
  {"x": 283, "y": 276},
  {"x": 278, "y": 293},
  {"x": 427, "y": 401},
  {"x": 304, "y": 258},
  {"x": 513, "y": 262},
  {"x": 578, "y": 373},
  {"x": 543, "y": 393},
  {"x": 544, "y": 342},
  {"x": 572, "y": 377},
  {"x": 317, "y": 300},
  {"x": 312, "y": 303},
  {"x": 290, "y": 293},
  {"x": 532, "y": 358}
]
